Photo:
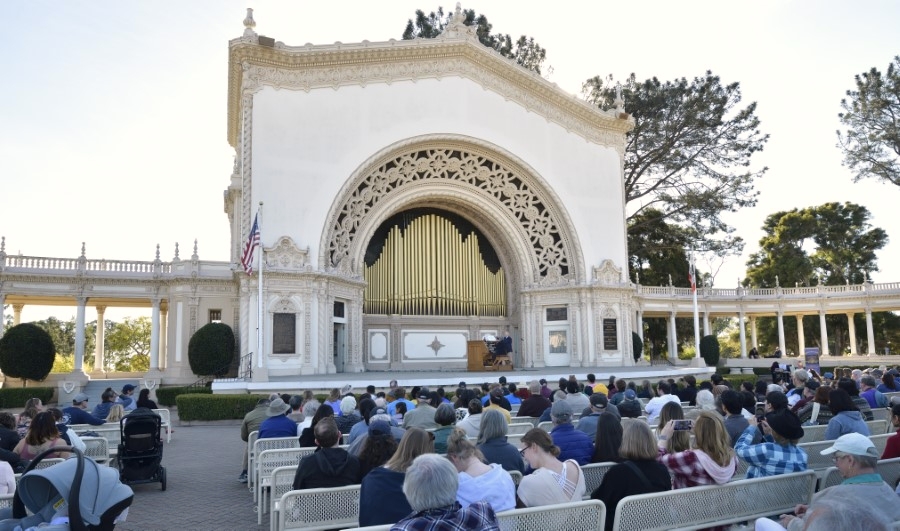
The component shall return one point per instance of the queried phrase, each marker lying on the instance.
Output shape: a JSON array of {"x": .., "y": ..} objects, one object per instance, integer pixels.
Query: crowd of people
[{"x": 390, "y": 433}]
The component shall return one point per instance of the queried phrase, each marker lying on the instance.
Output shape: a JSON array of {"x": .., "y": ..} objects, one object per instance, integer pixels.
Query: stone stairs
[{"x": 95, "y": 388}]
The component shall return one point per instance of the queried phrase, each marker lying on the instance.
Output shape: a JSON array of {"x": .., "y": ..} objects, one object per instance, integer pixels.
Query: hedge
[
  {"x": 215, "y": 407},
  {"x": 166, "y": 395},
  {"x": 15, "y": 397}
]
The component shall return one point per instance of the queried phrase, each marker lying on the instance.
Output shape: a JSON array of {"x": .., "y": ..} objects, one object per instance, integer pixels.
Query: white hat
[{"x": 852, "y": 443}]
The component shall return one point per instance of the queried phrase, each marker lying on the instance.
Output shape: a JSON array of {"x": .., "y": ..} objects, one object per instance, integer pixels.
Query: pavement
[{"x": 202, "y": 492}]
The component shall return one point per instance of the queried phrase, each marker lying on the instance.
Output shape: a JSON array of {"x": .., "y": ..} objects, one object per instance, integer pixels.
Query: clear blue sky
[{"x": 113, "y": 113}]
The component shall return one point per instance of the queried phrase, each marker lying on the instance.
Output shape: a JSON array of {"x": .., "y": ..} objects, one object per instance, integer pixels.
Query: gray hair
[
  {"x": 843, "y": 514},
  {"x": 535, "y": 387},
  {"x": 801, "y": 375},
  {"x": 493, "y": 425},
  {"x": 866, "y": 461},
  {"x": 869, "y": 381},
  {"x": 431, "y": 482},
  {"x": 774, "y": 387},
  {"x": 295, "y": 402},
  {"x": 705, "y": 399},
  {"x": 310, "y": 408},
  {"x": 445, "y": 415},
  {"x": 348, "y": 404}
]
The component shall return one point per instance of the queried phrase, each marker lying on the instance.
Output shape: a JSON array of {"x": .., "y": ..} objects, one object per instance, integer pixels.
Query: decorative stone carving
[
  {"x": 608, "y": 274},
  {"x": 286, "y": 256},
  {"x": 471, "y": 170}
]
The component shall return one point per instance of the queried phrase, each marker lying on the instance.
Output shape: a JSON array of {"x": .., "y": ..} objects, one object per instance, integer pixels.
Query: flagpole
[
  {"x": 696, "y": 311},
  {"x": 259, "y": 298}
]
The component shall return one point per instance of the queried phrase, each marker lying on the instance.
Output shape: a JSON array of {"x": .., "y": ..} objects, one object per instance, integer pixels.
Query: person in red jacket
[{"x": 892, "y": 449}]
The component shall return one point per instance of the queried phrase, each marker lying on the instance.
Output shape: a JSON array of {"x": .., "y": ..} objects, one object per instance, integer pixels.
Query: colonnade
[
  {"x": 672, "y": 339},
  {"x": 158, "y": 331}
]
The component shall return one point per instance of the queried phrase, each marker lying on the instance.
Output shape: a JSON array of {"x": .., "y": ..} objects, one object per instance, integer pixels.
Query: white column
[
  {"x": 179, "y": 330},
  {"x": 824, "y": 338},
  {"x": 742, "y": 327},
  {"x": 154, "y": 336},
  {"x": 640, "y": 324},
  {"x": 753, "y": 331},
  {"x": 851, "y": 329},
  {"x": 17, "y": 314},
  {"x": 801, "y": 336},
  {"x": 706, "y": 329},
  {"x": 781, "y": 333},
  {"x": 163, "y": 338},
  {"x": 2, "y": 313},
  {"x": 870, "y": 333},
  {"x": 673, "y": 338},
  {"x": 100, "y": 347},
  {"x": 79, "y": 335}
]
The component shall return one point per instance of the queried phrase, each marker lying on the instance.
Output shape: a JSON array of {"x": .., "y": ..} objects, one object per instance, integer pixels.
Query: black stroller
[
  {"x": 141, "y": 449},
  {"x": 75, "y": 495}
]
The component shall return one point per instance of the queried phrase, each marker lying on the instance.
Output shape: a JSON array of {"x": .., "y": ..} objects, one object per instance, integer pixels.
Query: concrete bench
[
  {"x": 889, "y": 469},
  {"x": 319, "y": 509},
  {"x": 588, "y": 515},
  {"x": 715, "y": 505}
]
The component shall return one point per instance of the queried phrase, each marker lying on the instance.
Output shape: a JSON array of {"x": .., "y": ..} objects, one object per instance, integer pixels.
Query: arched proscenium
[{"x": 470, "y": 170}]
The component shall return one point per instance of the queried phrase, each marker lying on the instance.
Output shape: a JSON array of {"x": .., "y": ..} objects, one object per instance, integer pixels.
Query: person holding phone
[
  {"x": 712, "y": 460},
  {"x": 778, "y": 453}
]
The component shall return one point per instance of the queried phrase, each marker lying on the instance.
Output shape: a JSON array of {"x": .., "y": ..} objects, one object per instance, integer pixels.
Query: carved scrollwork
[
  {"x": 608, "y": 274},
  {"x": 286, "y": 256},
  {"x": 474, "y": 171}
]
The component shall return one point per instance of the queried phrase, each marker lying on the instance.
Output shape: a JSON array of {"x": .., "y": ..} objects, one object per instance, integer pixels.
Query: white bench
[
  {"x": 519, "y": 428},
  {"x": 251, "y": 439},
  {"x": 261, "y": 445},
  {"x": 166, "y": 419},
  {"x": 319, "y": 509},
  {"x": 593, "y": 476},
  {"x": 97, "y": 448},
  {"x": 281, "y": 483},
  {"x": 818, "y": 462},
  {"x": 588, "y": 515},
  {"x": 715, "y": 505},
  {"x": 266, "y": 463},
  {"x": 889, "y": 469},
  {"x": 515, "y": 440},
  {"x": 817, "y": 433}
]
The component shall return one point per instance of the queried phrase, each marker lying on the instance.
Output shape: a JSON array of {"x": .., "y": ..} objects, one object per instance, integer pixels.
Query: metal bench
[
  {"x": 889, "y": 469},
  {"x": 593, "y": 475},
  {"x": 520, "y": 428},
  {"x": 97, "y": 448},
  {"x": 266, "y": 463},
  {"x": 261, "y": 445},
  {"x": 319, "y": 509},
  {"x": 166, "y": 418},
  {"x": 281, "y": 483}
]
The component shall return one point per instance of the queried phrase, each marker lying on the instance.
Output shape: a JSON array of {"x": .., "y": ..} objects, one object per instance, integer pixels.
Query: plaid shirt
[
  {"x": 479, "y": 515},
  {"x": 768, "y": 458},
  {"x": 686, "y": 469}
]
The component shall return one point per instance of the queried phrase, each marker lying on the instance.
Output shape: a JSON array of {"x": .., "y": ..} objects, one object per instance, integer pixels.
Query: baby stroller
[
  {"x": 79, "y": 490},
  {"x": 140, "y": 452}
]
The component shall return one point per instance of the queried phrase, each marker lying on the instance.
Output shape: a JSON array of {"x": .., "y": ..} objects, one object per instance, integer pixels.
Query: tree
[
  {"x": 524, "y": 51},
  {"x": 688, "y": 155},
  {"x": 128, "y": 344},
  {"x": 26, "y": 352},
  {"x": 656, "y": 250},
  {"x": 871, "y": 141},
  {"x": 709, "y": 350},
  {"x": 211, "y": 349},
  {"x": 637, "y": 346}
]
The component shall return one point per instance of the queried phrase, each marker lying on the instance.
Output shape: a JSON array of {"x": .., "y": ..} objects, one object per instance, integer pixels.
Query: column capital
[
  {"x": 82, "y": 301},
  {"x": 18, "y": 307},
  {"x": 100, "y": 309}
]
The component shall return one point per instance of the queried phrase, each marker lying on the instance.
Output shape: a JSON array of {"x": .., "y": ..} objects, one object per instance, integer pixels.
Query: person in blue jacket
[
  {"x": 77, "y": 413},
  {"x": 573, "y": 444}
]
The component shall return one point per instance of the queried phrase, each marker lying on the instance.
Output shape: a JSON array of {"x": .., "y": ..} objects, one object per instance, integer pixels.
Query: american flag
[
  {"x": 691, "y": 277},
  {"x": 250, "y": 246}
]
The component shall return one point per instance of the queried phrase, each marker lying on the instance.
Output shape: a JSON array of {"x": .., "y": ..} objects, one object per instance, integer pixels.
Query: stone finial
[
  {"x": 82, "y": 250},
  {"x": 176, "y": 252},
  {"x": 249, "y": 24},
  {"x": 670, "y": 279},
  {"x": 157, "y": 252},
  {"x": 2, "y": 244},
  {"x": 777, "y": 284},
  {"x": 195, "y": 256},
  {"x": 458, "y": 14},
  {"x": 619, "y": 102}
]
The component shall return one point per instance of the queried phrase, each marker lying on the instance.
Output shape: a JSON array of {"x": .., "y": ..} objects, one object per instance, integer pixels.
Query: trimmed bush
[
  {"x": 215, "y": 407},
  {"x": 27, "y": 352},
  {"x": 15, "y": 397},
  {"x": 166, "y": 395},
  {"x": 211, "y": 349},
  {"x": 709, "y": 350},
  {"x": 637, "y": 346}
]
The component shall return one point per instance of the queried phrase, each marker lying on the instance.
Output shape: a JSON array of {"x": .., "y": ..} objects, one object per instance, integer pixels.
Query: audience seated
[
  {"x": 534, "y": 405},
  {"x": 329, "y": 466},
  {"x": 349, "y": 416},
  {"x": 572, "y": 443},
  {"x": 710, "y": 462},
  {"x": 380, "y": 446},
  {"x": 251, "y": 423},
  {"x": 599, "y": 405},
  {"x": 553, "y": 481},
  {"x": 655, "y": 405},
  {"x": 77, "y": 412},
  {"x": 479, "y": 481},
  {"x": 680, "y": 440},
  {"x": 778, "y": 453},
  {"x": 445, "y": 418},
  {"x": 892, "y": 449},
  {"x": 493, "y": 445},
  {"x": 277, "y": 424},
  {"x": 629, "y": 406},
  {"x": 307, "y": 436},
  {"x": 423, "y": 414},
  {"x": 607, "y": 438},
  {"x": 471, "y": 424},
  {"x": 847, "y": 418}
]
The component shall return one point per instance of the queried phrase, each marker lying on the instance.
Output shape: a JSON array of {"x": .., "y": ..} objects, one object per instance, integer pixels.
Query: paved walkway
[{"x": 202, "y": 464}]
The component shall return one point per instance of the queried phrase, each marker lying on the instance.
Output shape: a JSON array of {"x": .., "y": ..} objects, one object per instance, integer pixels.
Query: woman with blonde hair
[
  {"x": 479, "y": 481},
  {"x": 681, "y": 440},
  {"x": 639, "y": 473},
  {"x": 711, "y": 462},
  {"x": 381, "y": 498},
  {"x": 552, "y": 481},
  {"x": 116, "y": 413},
  {"x": 33, "y": 406}
]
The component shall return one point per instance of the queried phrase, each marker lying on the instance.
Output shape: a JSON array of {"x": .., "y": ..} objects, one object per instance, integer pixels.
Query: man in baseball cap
[
  {"x": 126, "y": 398},
  {"x": 77, "y": 413},
  {"x": 855, "y": 457}
]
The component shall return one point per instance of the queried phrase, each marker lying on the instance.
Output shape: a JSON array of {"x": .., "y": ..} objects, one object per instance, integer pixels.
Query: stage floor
[{"x": 450, "y": 379}]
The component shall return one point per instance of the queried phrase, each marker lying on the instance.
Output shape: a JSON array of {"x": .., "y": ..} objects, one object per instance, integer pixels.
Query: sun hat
[{"x": 277, "y": 407}]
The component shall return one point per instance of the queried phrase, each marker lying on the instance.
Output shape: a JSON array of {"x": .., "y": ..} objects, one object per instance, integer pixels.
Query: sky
[{"x": 113, "y": 113}]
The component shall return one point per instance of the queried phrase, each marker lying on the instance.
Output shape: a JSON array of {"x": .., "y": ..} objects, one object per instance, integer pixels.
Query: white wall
[{"x": 306, "y": 146}]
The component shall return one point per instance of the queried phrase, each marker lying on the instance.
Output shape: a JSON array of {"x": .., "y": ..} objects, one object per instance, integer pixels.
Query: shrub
[
  {"x": 27, "y": 352},
  {"x": 637, "y": 346},
  {"x": 167, "y": 395},
  {"x": 215, "y": 407},
  {"x": 709, "y": 350},
  {"x": 211, "y": 349},
  {"x": 15, "y": 397}
]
